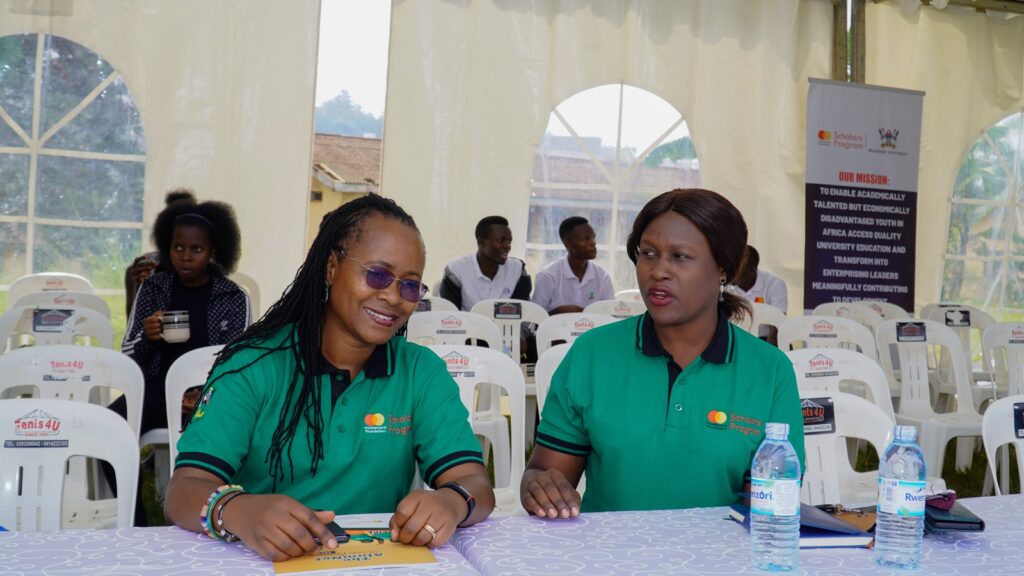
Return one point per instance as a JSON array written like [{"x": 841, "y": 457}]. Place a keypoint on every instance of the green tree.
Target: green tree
[
  {"x": 673, "y": 151},
  {"x": 340, "y": 115}
]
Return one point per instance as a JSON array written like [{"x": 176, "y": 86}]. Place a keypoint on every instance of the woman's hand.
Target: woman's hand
[
  {"x": 153, "y": 326},
  {"x": 548, "y": 494},
  {"x": 425, "y": 518},
  {"x": 277, "y": 526}
]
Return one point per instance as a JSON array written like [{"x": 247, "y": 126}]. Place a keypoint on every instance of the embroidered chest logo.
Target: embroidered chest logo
[
  {"x": 746, "y": 425},
  {"x": 374, "y": 423},
  {"x": 718, "y": 420},
  {"x": 377, "y": 423},
  {"x": 203, "y": 403}
]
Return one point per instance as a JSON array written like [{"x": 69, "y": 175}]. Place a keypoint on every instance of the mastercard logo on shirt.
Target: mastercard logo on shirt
[
  {"x": 374, "y": 419},
  {"x": 717, "y": 419}
]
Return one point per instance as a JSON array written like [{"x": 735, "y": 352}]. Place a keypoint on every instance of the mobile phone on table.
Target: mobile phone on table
[{"x": 338, "y": 532}]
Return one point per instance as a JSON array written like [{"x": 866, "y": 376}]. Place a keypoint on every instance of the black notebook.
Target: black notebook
[
  {"x": 957, "y": 519},
  {"x": 818, "y": 529}
]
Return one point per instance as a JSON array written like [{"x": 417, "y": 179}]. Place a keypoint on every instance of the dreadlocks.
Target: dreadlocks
[{"x": 300, "y": 306}]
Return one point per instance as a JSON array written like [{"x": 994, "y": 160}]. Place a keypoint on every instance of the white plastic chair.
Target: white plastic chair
[
  {"x": 826, "y": 332},
  {"x": 887, "y": 310},
  {"x": 616, "y": 308},
  {"x": 853, "y": 310},
  {"x": 826, "y": 480},
  {"x": 567, "y": 327},
  {"x": 77, "y": 374},
  {"x": 632, "y": 294},
  {"x": 32, "y": 479},
  {"x": 1003, "y": 344},
  {"x": 998, "y": 430},
  {"x": 510, "y": 320},
  {"x": 46, "y": 282},
  {"x": 836, "y": 370},
  {"x": 188, "y": 371},
  {"x": 252, "y": 288},
  {"x": 63, "y": 326},
  {"x": 435, "y": 304},
  {"x": 60, "y": 299},
  {"x": 546, "y": 366},
  {"x": 452, "y": 327},
  {"x": 965, "y": 320},
  {"x": 763, "y": 315},
  {"x": 471, "y": 366},
  {"x": 936, "y": 429}
]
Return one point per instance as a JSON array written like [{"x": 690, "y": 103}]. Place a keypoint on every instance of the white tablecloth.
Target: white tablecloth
[{"x": 703, "y": 541}]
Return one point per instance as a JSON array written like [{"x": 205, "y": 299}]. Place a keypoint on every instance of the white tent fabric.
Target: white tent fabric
[
  {"x": 971, "y": 67},
  {"x": 226, "y": 94},
  {"x": 471, "y": 86}
]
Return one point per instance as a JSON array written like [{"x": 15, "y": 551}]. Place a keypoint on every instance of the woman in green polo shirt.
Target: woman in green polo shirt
[
  {"x": 318, "y": 408},
  {"x": 666, "y": 409}
]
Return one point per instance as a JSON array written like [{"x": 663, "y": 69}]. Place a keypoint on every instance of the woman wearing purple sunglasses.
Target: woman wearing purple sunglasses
[{"x": 319, "y": 409}]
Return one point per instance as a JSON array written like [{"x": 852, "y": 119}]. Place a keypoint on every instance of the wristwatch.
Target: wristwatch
[{"x": 466, "y": 495}]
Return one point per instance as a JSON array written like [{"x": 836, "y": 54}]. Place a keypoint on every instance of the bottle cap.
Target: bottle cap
[
  {"x": 776, "y": 430},
  {"x": 904, "y": 433}
]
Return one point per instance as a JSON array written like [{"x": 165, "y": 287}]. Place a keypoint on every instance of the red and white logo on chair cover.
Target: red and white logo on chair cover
[{"x": 37, "y": 424}]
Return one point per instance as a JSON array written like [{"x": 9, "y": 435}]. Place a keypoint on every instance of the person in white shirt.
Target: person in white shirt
[
  {"x": 570, "y": 283},
  {"x": 489, "y": 272},
  {"x": 762, "y": 287}
]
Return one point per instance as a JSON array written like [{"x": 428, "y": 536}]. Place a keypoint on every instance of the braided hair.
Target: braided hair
[{"x": 300, "y": 306}]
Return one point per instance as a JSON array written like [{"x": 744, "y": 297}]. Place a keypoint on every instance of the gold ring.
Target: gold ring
[{"x": 430, "y": 529}]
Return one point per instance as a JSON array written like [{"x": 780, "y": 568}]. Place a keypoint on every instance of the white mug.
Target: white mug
[{"x": 174, "y": 326}]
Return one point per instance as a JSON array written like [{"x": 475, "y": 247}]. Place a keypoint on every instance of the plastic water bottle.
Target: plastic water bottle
[
  {"x": 901, "y": 494},
  {"x": 775, "y": 501}
]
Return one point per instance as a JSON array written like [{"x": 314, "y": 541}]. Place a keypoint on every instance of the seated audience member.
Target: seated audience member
[
  {"x": 666, "y": 409},
  {"x": 760, "y": 286},
  {"x": 570, "y": 283},
  {"x": 319, "y": 409},
  {"x": 489, "y": 272},
  {"x": 200, "y": 244},
  {"x": 143, "y": 266}
]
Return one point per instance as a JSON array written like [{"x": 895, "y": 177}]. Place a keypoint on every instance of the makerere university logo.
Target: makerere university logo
[{"x": 888, "y": 138}]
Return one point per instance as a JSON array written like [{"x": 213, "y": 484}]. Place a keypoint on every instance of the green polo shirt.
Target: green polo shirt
[
  {"x": 401, "y": 410},
  {"x": 657, "y": 436}
]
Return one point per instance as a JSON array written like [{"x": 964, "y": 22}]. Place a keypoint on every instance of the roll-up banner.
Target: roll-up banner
[{"x": 863, "y": 145}]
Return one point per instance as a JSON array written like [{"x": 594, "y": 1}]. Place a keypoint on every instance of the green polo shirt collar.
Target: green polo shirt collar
[{"x": 719, "y": 350}]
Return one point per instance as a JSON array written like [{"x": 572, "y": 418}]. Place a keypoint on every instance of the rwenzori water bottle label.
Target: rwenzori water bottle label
[
  {"x": 901, "y": 497},
  {"x": 774, "y": 497}
]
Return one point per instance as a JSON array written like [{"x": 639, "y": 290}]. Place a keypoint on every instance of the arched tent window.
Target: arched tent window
[
  {"x": 72, "y": 160},
  {"x": 605, "y": 153},
  {"x": 984, "y": 263}
]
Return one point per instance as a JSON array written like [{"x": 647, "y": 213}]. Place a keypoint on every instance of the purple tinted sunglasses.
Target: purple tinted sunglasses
[{"x": 380, "y": 278}]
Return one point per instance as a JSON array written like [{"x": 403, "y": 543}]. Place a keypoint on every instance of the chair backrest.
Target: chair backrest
[
  {"x": 616, "y": 308},
  {"x": 39, "y": 437},
  {"x": 1004, "y": 347},
  {"x": 188, "y": 371},
  {"x": 74, "y": 373},
  {"x": 545, "y": 370},
  {"x": 471, "y": 366},
  {"x": 853, "y": 310},
  {"x": 46, "y": 282},
  {"x": 963, "y": 319},
  {"x": 249, "y": 285},
  {"x": 631, "y": 294},
  {"x": 436, "y": 304},
  {"x": 59, "y": 299},
  {"x": 826, "y": 332},
  {"x": 50, "y": 326},
  {"x": 509, "y": 314},
  {"x": 763, "y": 315},
  {"x": 998, "y": 428},
  {"x": 452, "y": 327},
  {"x": 912, "y": 338},
  {"x": 567, "y": 327},
  {"x": 887, "y": 310},
  {"x": 825, "y": 442},
  {"x": 832, "y": 370}
]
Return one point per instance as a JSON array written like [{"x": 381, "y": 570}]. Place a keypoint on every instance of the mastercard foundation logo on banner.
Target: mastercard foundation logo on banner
[{"x": 717, "y": 419}]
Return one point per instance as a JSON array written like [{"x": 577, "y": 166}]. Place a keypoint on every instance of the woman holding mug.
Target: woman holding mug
[{"x": 201, "y": 242}]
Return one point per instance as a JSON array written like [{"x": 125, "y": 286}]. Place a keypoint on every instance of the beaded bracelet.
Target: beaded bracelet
[
  {"x": 208, "y": 508},
  {"x": 219, "y": 514}
]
